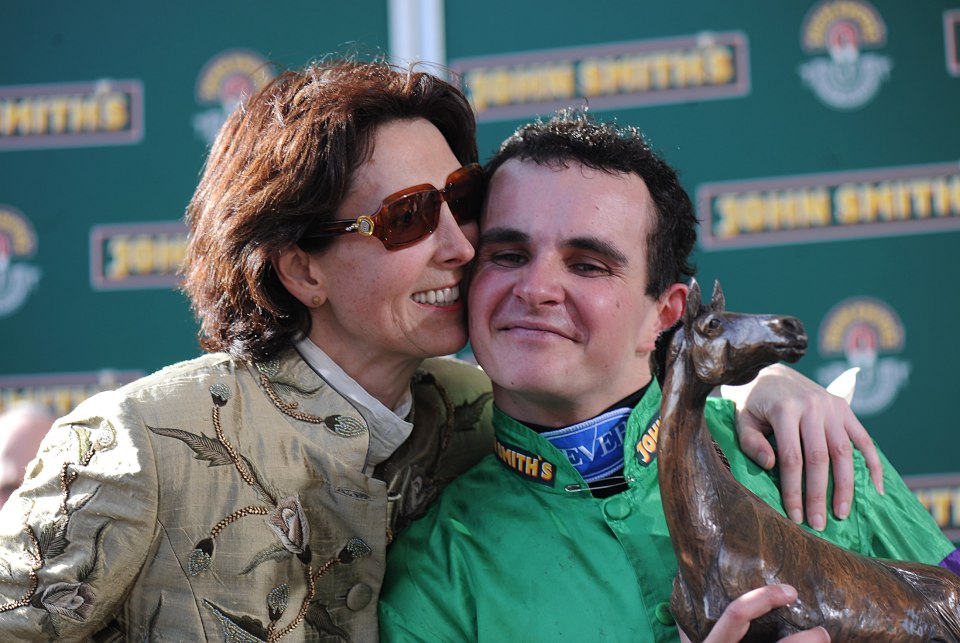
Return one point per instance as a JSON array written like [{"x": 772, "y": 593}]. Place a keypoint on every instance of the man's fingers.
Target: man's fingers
[
  {"x": 790, "y": 458},
  {"x": 841, "y": 460},
  {"x": 816, "y": 458},
  {"x": 816, "y": 635},
  {"x": 753, "y": 442},
  {"x": 735, "y": 620}
]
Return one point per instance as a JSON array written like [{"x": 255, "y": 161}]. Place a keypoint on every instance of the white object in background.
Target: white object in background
[
  {"x": 417, "y": 32},
  {"x": 845, "y": 384}
]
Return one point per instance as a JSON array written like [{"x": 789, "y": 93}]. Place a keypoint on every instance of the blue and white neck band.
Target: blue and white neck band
[{"x": 594, "y": 447}]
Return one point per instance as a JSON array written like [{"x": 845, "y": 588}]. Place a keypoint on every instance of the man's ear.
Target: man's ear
[
  {"x": 672, "y": 303},
  {"x": 300, "y": 276}
]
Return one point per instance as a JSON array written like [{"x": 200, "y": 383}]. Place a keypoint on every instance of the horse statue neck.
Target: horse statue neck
[{"x": 714, "y": 347}]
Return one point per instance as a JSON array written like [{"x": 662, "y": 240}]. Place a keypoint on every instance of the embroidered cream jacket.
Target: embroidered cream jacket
[{"x": 216, "y": 500}]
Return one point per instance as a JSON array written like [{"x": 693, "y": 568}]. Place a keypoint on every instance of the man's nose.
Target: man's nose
[{"x": 540, "y": 283}]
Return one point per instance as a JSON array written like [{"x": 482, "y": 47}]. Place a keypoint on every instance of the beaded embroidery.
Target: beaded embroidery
[
  {"x": 277, "y": 601},
  {"x": 285, "y": 517}
]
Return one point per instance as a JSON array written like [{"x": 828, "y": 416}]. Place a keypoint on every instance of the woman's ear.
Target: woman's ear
[
  {"x": 671, "y": 304},
  {"x": 301, "y": 276}
]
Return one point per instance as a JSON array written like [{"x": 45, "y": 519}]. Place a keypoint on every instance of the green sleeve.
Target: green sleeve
[{"x": 894, "y": 525}]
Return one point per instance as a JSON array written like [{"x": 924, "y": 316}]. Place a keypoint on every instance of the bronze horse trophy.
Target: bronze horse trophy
[{"x": 728, "y": 541}]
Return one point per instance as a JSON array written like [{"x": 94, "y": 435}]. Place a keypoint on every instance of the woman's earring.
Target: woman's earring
[{"x": 316, "y": 300}]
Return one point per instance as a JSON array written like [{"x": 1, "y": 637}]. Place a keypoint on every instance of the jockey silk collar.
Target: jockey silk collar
[{"x": 594, "y": 447}]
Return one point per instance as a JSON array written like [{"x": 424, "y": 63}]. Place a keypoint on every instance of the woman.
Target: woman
[{"x": 250, "y": 494}]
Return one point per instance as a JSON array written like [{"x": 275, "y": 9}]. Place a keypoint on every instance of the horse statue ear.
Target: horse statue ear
[
  {"x": 717, "y": 303},
  {"x": 692, "y": 308}
]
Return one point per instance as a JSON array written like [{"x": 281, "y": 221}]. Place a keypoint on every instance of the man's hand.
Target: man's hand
[
  {"x": 735, "y": 620},
  {"x": 813, "y": 430}
]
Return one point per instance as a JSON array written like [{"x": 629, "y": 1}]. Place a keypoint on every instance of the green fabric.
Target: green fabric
[{"x": 505, "y": 556}]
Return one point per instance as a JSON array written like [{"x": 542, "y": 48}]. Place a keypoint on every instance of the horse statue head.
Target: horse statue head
[{"x": 731, "y": 348}]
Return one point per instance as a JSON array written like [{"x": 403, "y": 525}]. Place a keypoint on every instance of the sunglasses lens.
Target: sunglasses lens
[
  {"x": 411, "y": 218},
  {"x": 464, "y": 195}
]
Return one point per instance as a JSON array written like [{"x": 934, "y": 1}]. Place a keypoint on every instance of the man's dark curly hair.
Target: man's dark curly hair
[
  {"x": 573, "y": 136},
  {"x": 283, "y": 162}
]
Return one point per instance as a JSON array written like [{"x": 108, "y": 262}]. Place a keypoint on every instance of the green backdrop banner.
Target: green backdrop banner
[{"x": 818, "y": 139}]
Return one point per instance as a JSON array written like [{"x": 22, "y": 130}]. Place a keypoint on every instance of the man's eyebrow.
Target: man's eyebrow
[
  {"x": 599, "y": 247},
  {"x": 503, "y": 235}
]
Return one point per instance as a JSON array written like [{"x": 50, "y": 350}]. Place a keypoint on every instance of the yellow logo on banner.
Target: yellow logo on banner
[
  {"x": 137, "y": 255},
  {"x": 830, "y": 206},
  {"x": 17, "y": 278},
  {"x": 699, "y": 67},
  {"x": 848, "y": 78},
  {"x": 867, "y": 333},
  {"x": 105, "y": 112},
  {"x": 225, "y": 80},
  {"x": 60, "y": 392}
]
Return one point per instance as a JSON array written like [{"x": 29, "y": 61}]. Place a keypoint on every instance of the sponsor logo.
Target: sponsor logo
[
  {"x": 136, "y": 255},
  {"x": 60, "y": 392},
  {"x": 647, "y": 444},
  {"x": 951, "y": 36},
  {"x": 645, "y": 72},
  {"x": 225, "y": 80},
  {"x": 104, "y": 112},
  {"x": 525, "y": 463},
  {"x": 848, "y": 78},
  {"x": 940, "y": 494},
  {"x": 865, "y": 332},
  {"x": 17, "y": 242},
  {"x": 827, "y": 207}
]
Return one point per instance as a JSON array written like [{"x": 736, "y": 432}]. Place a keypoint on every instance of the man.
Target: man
[
  {"x": 583, "y": 256},
  {"x": 22, "y": 428}
]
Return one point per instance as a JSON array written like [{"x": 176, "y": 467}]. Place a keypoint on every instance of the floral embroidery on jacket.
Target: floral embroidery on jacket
[
  {"x": 285, "y": 518},
  {"x": 298, "y": 584},
  {"x": 290, "y": 525},
  {"x": 74, "y": 600}
]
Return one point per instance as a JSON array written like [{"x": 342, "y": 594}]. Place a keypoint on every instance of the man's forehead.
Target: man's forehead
[{"x": 571, "y": 201}]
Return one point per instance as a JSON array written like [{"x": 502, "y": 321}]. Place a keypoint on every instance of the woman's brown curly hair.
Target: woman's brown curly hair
[{"x": 282, "y": 162}]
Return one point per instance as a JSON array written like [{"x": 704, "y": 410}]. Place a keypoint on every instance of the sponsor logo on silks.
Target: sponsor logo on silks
[
  {"x": 18, "y": 241},
  {"x": 103, "y": 112},
  {"x": 940, "y": 494},
  {"x": 819, "y": 207},
  {"x": 867, "y": 333},
  {"x": 137, "y": 255},
  {"x": 696, "y": 67},
  {"x": 226, "y": 80},
  {"x": 593, "y": 447},
  {"x": 847, "y": 78},
  {"x": 951, "y": 35},
  {"x": 525, "y": 463},
  {"x": 60, "y": 392},
  {"x": 647, "y": 444}
]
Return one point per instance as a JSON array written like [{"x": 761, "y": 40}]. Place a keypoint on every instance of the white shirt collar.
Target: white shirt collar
[{"x": 387, "y": 428}]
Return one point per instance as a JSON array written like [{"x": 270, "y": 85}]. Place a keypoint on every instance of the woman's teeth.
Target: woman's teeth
[{"x": 441, "y": 297}]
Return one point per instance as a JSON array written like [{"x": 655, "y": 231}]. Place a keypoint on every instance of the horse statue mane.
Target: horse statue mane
[{"x": 728, "y": 541}]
